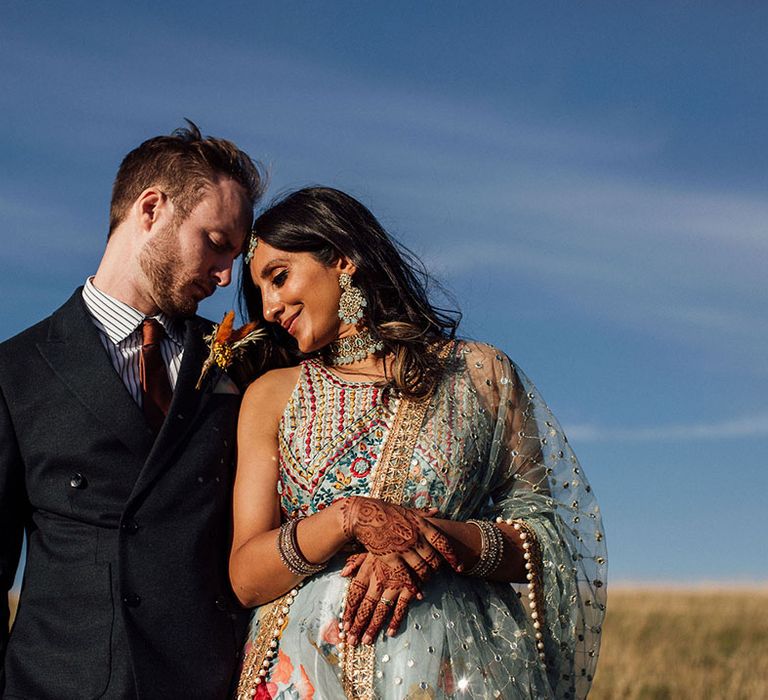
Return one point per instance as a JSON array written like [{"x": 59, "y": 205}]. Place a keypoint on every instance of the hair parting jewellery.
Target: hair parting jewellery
[{"x": 253, "y": 243}]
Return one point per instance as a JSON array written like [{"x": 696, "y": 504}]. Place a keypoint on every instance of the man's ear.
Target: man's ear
[{"x": 153, "y": 207}]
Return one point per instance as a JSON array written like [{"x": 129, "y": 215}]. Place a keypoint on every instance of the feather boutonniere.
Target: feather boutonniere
[{"x": 225, "y": 343}]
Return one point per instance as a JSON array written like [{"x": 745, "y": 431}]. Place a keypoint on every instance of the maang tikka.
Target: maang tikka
[
  {"x": 253, "y": 243},
  {"x": 352, "y": 302}
]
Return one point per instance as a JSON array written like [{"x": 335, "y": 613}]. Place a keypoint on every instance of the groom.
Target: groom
[{"x": 115, "y": 466}]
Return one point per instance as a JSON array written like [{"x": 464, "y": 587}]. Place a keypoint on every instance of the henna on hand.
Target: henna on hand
[
  {"x": 362, "y": 617},
  {"x": 440, "y": 542},
  {"x": 353, "y": 564},
  {"x": 355, "y": 594},
  {"x": 422, "y": 569},
  {"x": 375, "y": 576},
  {"x": 377, "y": 621},
  {"x": 382, "y": 528},
  {"x": 385, "y": 528},
  {"x": 433, "y": 561},
  {"x": 399, "y": 615}
]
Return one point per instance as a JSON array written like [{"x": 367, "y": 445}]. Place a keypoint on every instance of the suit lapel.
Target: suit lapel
[{"x": 74, "y": 351}]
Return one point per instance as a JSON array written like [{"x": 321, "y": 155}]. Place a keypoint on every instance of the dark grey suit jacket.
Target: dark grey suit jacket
[{"x": 125, "y": 590}]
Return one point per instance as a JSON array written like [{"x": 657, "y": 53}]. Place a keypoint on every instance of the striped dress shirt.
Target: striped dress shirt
[{"x": 119, "y": 327}]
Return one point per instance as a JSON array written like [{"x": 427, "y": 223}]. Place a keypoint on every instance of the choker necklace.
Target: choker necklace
[{"x": 352, "y": 348}]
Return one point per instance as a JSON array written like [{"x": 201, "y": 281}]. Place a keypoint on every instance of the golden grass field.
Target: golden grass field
[
  {"x": 683, "y": 645},
  {"x": 679, "y": 644}
]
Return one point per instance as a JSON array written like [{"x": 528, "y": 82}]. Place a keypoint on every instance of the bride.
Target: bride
[{"x": 409, "y": 519}]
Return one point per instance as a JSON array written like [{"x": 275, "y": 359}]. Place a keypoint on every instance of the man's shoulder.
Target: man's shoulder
[
  {"x": 38, "y": 332},
  {"x": 199, "y": 325}
]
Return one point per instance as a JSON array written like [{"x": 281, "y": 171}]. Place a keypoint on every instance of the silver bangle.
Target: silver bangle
[
  {"x": 289, "y": 552},
  {"x": 491, "y": 549}
]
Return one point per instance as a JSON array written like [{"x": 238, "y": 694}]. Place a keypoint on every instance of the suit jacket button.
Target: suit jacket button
[
  {"x": 129, "y": 526},
  {"x": 77, "y": 481},
  {"x": 132, "y": 600}
]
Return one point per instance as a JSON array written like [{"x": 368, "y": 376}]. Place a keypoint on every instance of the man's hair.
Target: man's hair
[{"x": 182, "y": 165}]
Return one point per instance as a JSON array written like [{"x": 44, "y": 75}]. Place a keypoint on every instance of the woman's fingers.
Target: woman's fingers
[
  {"x": 353, "y": 564},
  {"x": 396, "y": 571},
  {"x": 369, "y": 607},
  {"x": 422, "y": 569},
  {"x": 362, "y": 617},
  {"x": 440, "y": 543},
  {"x": 380, "y": 614},
  {"x": 355, "y": 594},
  {"x": 418, "y": 564},
  {"x": 362, "y": 597},
  {"x": 401, "y": 608}
]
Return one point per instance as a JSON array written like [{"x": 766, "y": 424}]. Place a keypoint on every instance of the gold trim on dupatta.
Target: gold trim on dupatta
[
  {"x": 256, "y": 660},
  {"x": 389, "y": 480}
]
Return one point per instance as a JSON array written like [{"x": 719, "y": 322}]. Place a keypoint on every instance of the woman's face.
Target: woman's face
[{"x": 301, "y": 294}]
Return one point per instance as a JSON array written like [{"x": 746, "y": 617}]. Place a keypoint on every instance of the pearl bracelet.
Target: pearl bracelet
[
  {"x": 533, "y": 564},
  {"x": 491, "y": 549},
  {"x": 289, "y": 552}
]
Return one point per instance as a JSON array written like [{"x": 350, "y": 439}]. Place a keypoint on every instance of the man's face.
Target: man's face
[{"x": 184, "y": 262}]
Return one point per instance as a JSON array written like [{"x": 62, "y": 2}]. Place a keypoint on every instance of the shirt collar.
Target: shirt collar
[{"x": 118, "y": 320}]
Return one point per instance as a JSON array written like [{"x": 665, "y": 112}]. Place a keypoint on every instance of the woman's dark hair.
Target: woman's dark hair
[{"x": 330, "y": 224}]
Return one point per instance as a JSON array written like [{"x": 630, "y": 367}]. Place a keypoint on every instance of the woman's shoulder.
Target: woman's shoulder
[
  {"x": 475, "y": 351},
  {"x": 270, "y": 391},
  {"x": 485, "y": 366}
]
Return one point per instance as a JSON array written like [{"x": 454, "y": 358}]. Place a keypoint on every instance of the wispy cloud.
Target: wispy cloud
[
  {"x": 477, "y": 185},
  {"x": 754, "y": 426}
]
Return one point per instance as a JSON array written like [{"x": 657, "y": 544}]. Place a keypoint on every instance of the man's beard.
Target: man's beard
[{"x": 162, "y": 265}]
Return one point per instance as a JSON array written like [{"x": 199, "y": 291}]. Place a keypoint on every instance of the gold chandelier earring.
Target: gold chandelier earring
[{"x": 352, "y": 302}]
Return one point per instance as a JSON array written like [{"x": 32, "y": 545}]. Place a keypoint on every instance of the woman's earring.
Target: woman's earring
[{"x": 352, "y": 301}]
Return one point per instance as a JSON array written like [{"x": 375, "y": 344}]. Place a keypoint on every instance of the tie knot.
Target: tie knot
[{"x": 152, "y": 332}]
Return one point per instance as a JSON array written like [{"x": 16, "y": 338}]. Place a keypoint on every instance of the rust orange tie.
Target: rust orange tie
[{"x": 156, "y": 389}]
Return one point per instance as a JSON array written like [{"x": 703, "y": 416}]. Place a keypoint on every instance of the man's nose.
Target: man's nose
[{"x": 224, "y": 277}]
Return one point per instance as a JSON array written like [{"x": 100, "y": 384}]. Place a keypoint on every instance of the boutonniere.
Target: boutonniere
[{"x": 225, "y": 343}]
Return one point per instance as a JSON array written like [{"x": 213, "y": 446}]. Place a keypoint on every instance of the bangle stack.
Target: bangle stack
[
  {"x": 491, "y": 549},
  {"x": 533, "y": 563},
  {"x": 289, "y": 552}
]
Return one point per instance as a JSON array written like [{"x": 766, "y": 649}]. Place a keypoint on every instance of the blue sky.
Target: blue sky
[{"x": 588, "y": 179}]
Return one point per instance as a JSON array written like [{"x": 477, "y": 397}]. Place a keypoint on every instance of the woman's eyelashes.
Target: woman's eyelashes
[{"x": 279, "y": 279}]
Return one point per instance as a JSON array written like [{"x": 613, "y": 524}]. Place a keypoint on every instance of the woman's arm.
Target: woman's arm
[{"x": 255, "y": 568}]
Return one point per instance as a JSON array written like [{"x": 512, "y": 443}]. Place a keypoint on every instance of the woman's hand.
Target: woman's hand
[
  {"x": 385, "y": 530},
  {"x": 404, "y": 549},
  {"x": 382, "y": 585}
]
